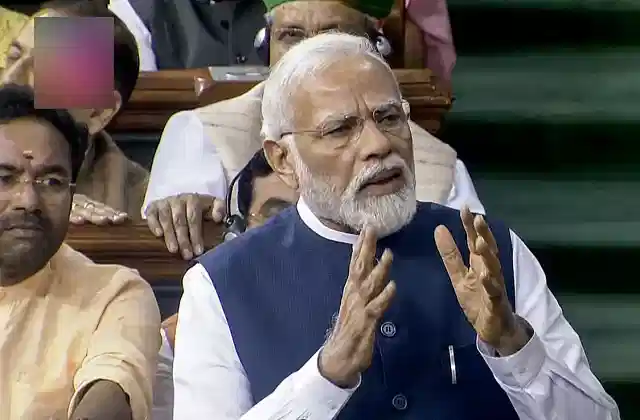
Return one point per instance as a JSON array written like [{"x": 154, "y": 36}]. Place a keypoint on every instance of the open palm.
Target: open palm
[{"x": 480, "y": 287}]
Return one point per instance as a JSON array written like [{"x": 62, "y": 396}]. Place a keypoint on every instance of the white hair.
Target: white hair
[
  {"x": 385, "y": 214},
  {"x": 303, "y": 62}
]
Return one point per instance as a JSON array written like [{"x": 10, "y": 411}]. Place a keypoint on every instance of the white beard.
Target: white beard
[{"x": 384, "y": 214}]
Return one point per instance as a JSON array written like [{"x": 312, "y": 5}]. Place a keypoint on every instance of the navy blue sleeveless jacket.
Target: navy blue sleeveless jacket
[{"x": 280, "y": 286}]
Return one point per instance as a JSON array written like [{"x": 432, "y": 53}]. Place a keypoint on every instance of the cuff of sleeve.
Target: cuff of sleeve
[
  {"x": 311, "y": 382},
  {"x": 520, "y": 369},
  {"x": 137, "y": 399}
]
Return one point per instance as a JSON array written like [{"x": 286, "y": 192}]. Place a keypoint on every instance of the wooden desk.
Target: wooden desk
[
  {"x": 160, "y": 94},
  {"x": 136, "y": 247}
]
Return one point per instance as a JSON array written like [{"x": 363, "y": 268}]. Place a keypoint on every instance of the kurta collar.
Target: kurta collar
[{"x": 313, "y": 223}]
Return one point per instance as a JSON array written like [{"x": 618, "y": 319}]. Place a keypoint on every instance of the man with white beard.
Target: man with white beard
[{"x": 343, "y": 305}]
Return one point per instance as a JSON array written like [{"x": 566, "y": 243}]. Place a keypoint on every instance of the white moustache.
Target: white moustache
[{"x": 370, "y": 172}]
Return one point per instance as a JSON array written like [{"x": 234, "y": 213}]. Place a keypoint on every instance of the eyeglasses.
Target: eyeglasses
[
  {"x": 47, "y": 187},
  {"x": 391, "y": 120},
  {"x": 293, "y": 35}
]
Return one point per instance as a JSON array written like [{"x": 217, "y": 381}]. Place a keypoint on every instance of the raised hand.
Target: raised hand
[
  {"x": 366, "y": 296},
  {"x": 179, "y": 220},
  {"x": 480, "y": 287},
  {"x": 85, "y": 210}
]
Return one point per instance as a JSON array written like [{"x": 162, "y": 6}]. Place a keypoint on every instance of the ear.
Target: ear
[
  {"x": 281, "y": 160},
  {"x": 100, "y": 118}
]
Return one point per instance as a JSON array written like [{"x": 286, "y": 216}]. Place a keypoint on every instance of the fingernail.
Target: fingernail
[
  {"x": 157, "y": 232},
  {"x": 187, "y": 255},
  {"x": 199, "y": 250},
  {"x": 173, "y": 249}
]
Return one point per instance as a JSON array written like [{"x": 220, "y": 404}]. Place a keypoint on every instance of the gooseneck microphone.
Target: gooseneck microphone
[{"x": 234, "y": 224}]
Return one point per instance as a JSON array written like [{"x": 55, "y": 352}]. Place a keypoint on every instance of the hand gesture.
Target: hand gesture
[
  {"x": 179, "y": 219},
  {"x": 366, "y": 296},
  {"x": 85, "y": 210},
  {"x": 480, "y": 287}
]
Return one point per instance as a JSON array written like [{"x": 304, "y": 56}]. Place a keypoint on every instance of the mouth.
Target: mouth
[
  {"x": 25, "y": 228},
  {"x": 386, "y": 182},
  {"x": 384, "y": 177}
]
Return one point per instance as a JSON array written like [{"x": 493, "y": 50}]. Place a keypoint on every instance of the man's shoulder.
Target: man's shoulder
[
  {"x": 90, "y": 278},
  {"x": 247, "y": 104}
]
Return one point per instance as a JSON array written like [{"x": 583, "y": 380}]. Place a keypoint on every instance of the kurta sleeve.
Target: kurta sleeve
[{"x": 124, "y": 346}]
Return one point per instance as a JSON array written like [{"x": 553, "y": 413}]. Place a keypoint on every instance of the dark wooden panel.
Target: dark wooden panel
[
  {"x": 158, "y": 95},
  {"x": 136, "y": 247}
]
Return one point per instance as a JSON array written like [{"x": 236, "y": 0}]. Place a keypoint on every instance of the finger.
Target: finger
[
  {"x": 166, "y": 221},
  {"x": 153, "y": 219},
  {"x": 377, "y": 279},
  {"x": 98, "y": 210},
  {"x": 491, "y": 274},
  {"x": 119, "y": 217},
  {"x": 179, "y": 213},
  {"x": 467, "y": 222},
  {"x": 218, "y": 211},
  {"x": 489, "y": 257},
  {"x": 355, "y": 251},
  {"x": 482, "y": 228},
  {"x": 378, "y": 305},
  {"x": 194, "y": 221},
  {"x": 110, "y": 213},
  {"x": 90, "y": 216},
  {"x": 364, "y": 257},
  {"x": 450, "y": 255},
  {"x": 75, "y": 218}
]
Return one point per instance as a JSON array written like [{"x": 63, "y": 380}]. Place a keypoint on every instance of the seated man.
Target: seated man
[
  {"x": 299, "y": 318},
  {"x": 261, "y": 195},
  {"x": 201, "y": 150},
  {"x": 110, "y": 186},
  {"x": 80, "y": 340}
]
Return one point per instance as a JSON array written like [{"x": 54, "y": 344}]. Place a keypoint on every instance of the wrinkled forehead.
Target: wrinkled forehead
[
  {"x": 351, "y": 86},
  {"x": 318, "y": 15},
  {"x": 31, "y": 141}
]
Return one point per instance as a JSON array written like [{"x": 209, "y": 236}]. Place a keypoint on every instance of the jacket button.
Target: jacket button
[
  {"x": 388, "y": 329},
  {"x": 399, "y": 402}
]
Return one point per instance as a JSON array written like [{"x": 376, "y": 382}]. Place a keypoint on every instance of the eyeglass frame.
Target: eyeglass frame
[
  {"x": 48, "y": 192},
  {"x": 320, "y": 133}
]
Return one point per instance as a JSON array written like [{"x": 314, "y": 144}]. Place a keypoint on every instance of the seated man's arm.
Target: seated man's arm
[
  {"x": 186, "y": 161},
  {"x": 187, "y": 185},
  {"x": 549, "y": 378},
  {"x": 116, "y": 376},
  {"x": 209, "y": 379}
]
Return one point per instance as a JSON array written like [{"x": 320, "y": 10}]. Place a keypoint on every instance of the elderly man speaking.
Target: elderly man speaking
[{"x": 360, "y": 302}]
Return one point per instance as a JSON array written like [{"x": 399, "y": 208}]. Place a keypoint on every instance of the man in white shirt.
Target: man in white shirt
[
  {"x": 258, "y": 335},
  {"x": 201, "y": 150}
]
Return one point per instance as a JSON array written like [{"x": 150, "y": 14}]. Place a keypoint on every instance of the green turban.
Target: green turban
[{"x": 378, "y": 9}]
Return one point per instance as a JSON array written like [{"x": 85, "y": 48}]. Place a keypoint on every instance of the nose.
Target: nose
[
  {"x": 374, "y": 143},
  {"x": 26, "y": 197}
]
